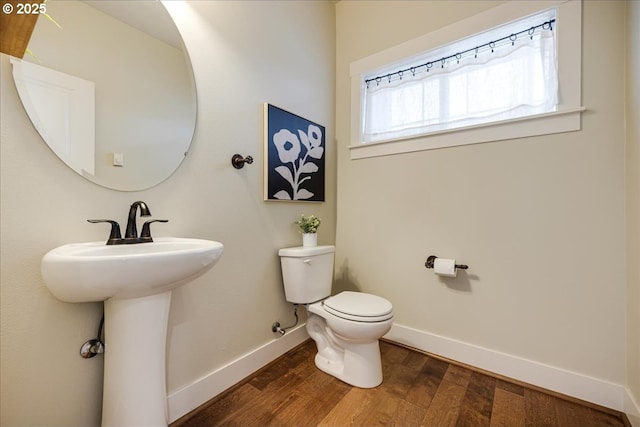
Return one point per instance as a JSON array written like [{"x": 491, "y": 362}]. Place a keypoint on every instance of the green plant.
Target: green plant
[{"x": 308, "y": 224}]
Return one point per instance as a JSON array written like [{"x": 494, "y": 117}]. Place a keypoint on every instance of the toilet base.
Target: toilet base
[
  {"x": 358, "y": 364},
  {"x": 356, "y": 369}
]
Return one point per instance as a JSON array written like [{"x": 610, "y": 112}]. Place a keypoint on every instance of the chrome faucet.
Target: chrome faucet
[{"x": 131, "y": 233}]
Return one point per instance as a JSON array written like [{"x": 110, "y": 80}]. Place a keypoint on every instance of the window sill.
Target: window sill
[{"x": 566, "y": 120}]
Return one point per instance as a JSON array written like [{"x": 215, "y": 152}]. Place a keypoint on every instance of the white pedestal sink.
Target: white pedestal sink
[{"x": 135, "y": 282}]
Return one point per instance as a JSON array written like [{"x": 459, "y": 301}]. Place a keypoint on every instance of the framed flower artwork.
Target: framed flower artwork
[{"x": 294, "y": 156}]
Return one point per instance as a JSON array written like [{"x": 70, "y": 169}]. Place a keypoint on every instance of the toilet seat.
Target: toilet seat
[{"x": 359, "y": 307}]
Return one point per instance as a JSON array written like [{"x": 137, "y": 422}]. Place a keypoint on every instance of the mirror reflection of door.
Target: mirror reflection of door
[{"x": 62, "y": 109}]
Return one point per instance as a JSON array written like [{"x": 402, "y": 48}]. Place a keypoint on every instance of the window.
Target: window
[
  {"x": 476, "y": 89},
  {"x": 500, "y": 74}
]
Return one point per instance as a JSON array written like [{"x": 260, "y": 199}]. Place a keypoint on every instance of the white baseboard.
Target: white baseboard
[
  {"x": 183, "y": 401},
  {"x": 632, "y": 409},
  {"x": 580, "y": 386}
]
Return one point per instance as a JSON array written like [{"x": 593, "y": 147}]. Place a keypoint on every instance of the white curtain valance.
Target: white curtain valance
[{"x": 517, "y": 78}]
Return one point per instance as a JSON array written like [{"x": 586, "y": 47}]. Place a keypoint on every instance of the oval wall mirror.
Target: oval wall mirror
[{"x": 109, "y": 87}]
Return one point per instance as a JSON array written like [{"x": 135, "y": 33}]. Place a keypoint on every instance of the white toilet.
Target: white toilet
[{"x": 346, "y": 327}]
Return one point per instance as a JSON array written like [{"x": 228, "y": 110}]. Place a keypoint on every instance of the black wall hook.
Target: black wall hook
[{"x": 238, "y": 161}]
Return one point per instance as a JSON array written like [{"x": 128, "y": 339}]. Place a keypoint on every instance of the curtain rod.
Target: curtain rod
[{"x": 492, "y": 44}]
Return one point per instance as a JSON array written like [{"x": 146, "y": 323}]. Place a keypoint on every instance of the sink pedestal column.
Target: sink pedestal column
[{"x": 134, "y": 392}]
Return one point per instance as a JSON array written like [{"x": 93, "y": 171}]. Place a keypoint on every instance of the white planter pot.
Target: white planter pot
[{"x": 309, "y": 239}]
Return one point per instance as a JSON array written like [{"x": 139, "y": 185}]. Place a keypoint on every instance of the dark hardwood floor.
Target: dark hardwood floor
[{"x": 418, "y": 390}]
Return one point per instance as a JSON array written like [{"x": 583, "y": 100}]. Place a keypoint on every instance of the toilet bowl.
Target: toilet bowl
[
  {"x": 346, "y": 327},
  {"x": 348, "y": 348}
]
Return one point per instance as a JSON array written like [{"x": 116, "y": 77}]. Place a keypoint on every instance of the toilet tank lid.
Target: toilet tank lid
[{"x": 306, "y": 251}]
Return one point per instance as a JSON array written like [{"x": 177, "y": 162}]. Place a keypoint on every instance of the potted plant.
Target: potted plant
[{"x": 308, "y": 226}]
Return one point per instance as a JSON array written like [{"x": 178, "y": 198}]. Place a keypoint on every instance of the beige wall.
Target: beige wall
[
  {"x": 244, "y": 53},
  {"x": 540, "y": 221},
  {"x": 632, "y": 158}
]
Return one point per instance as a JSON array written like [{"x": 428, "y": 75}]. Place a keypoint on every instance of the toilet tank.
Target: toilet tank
[{"x": 307, "y": 273}]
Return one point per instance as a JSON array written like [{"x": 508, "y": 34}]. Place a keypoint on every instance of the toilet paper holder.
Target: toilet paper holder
[{"x": 432, "y": 259}]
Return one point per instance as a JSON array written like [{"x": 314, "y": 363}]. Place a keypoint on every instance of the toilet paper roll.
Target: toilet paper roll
[{"x": 445, "y": 267}]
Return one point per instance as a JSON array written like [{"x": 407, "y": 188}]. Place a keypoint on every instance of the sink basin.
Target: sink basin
[{"x": 86, "y": 272}]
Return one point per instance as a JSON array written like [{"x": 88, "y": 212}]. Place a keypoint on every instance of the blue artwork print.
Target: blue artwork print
[{"x": 295, "y": 157}]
